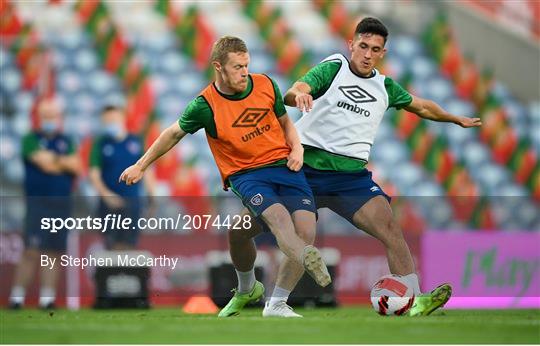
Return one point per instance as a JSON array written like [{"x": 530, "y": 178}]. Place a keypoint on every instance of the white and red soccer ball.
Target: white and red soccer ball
[{"x": 392, "y": 296}]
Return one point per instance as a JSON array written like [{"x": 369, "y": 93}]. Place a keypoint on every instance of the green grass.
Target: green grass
[{"x": 337, "y": 326}]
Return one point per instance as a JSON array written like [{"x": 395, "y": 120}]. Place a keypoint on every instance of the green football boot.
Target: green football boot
[
  {"x": 239, "y": 300},
  {"x": 426, "y": 303}
]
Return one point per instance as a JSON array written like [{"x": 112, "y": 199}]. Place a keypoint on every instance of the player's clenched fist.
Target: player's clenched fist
[
  {"x": 304, "y": 102},
  {"x": 131, "y": 175}
]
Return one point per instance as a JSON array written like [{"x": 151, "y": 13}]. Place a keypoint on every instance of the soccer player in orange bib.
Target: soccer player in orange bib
[{"x": 259, "y": 156}]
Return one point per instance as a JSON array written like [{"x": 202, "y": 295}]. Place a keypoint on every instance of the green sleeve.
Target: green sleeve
[
  {"x": 196, "y": 116},
  {"x": 95, "y": 153},
  {"x": 72, "y": 148},
  {"x": 321, "y": 76},
  {"x": 397, "y": 96},
  {"x": 30, "y": 144},
  {"x": 279, "y": 106}
]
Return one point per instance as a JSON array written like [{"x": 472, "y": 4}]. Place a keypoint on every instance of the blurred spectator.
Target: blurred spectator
[
  {"x": 51, "y": 165},
  {"x": 112, "y": 152}
]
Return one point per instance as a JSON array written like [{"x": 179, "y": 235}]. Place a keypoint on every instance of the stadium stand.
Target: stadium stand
[
  {"x": 169, "y": 67},
  {"x": 525, "y": 13}
]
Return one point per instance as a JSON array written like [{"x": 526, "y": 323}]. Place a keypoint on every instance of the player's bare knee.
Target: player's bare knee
[
  {"x": 277, "y": 218},
  {"x": 307, "y": 234},
  {"x": 305, "y": 224},
  {"x": 389, "y": 233},
  {"x": 239, "y": 236},
  {"x": 393, "y": 228},
  {"x": 236, "y": 235}
]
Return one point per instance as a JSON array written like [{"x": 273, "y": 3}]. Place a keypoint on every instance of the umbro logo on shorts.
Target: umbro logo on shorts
[
  {"x": 374, "y": 188},
  {"x": 306, "y": 201},
  {"x": 250, "y": 117},
  {"x": 356, "y": 94},
  {"x": 256, "y": 200}
]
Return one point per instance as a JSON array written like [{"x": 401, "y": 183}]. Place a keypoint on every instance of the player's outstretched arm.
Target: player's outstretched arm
[
  {"x": 166, "y": 140},
  {"x": 295, "y": 160},
  {"x": 299, "y": 96},
  {"x": 430, "y": 110}
]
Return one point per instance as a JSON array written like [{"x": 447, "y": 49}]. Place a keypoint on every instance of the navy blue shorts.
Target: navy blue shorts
[
  {"x": 260, "y": 188},
  {"x": 38, "y": 208},
  {"x": 132, "y": 209},
  {"x": 342, "y": 192}
]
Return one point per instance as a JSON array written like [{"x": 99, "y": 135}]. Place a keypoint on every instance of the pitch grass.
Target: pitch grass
[{"x": 337, "y": 326}]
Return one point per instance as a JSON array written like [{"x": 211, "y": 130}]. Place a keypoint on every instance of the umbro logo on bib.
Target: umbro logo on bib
[
  {"x": 356, "y": 94},
  {"x": 250, "y": 117}
]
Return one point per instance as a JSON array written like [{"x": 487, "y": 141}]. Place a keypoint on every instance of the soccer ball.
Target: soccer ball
[{"x": 391, "y": 296}]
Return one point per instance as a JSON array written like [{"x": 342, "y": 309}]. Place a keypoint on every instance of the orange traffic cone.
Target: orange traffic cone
[{"x": 200, "y": 305}]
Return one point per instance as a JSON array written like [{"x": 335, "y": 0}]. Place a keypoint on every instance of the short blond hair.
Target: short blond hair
[{"x": 226, "y": 45}]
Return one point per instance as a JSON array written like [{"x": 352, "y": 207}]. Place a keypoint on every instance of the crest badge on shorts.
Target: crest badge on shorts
[{"x": 256, "y": 200}]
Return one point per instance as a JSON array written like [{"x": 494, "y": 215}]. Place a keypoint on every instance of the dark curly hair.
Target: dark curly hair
[{"x": 370, "y": 25}]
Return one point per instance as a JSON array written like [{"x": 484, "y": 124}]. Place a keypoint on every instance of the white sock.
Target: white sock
[
  {"x": 17, "y": 295},
  {"x": 412, "y": 280},
  {"x": 279, "y": 295},
  {"x": 246, "y": 280},
  {"x": 46, "y": 296}
]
